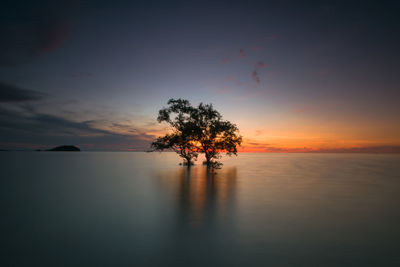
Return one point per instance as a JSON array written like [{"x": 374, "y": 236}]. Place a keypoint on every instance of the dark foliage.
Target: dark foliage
[
  {"x": 214, "y": 134},
  {"x": 196, "y": 130}
]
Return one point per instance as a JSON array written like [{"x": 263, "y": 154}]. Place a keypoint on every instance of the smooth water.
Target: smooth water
[{"x": 143, "y": 209}]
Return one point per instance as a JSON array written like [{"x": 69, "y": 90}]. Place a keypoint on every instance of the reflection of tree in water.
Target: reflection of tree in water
[
  {"x": 204, "y": 209},
  {"x": 205, "y": 199}
]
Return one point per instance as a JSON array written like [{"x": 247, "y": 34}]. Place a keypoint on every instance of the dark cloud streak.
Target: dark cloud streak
[
  {"x": 36, "y": 129},
  {"x": 260, "y": 65},
  {"x": 255, "y": 77},
  {"x": 11, "y": 93}
]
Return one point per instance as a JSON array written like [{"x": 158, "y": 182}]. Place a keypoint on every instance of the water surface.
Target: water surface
[{"x": 143, "y": 209}]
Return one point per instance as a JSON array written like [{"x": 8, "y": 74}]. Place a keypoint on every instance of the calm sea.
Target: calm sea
[{"x": 143, "y": 209}]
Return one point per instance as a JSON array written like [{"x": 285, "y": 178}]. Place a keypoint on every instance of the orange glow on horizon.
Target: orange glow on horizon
[{"x": 288, "y": 134}]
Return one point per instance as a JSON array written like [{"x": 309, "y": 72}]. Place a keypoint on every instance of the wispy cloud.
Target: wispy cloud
[
  {"x": 242, "y": 54},
  {"x": 23, "y": 124},
  {"x": 53, "y": 36},
  {"x": 12, "y": 93},
  {"x": 34, "y": 29},
  {"x": 259, "y": 132},
  {"x": 260, "y": 65},
  {"x": 234, "y": 79},
  {"x": 266, "y": 148},
  {"x": 225, "y": 60},
  {"x": 305, "y": 109},
  {"x": 256, "y": 48},
  {"x": 255, "y": 77}
]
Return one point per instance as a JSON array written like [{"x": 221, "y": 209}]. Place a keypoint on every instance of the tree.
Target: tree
[
  {"x": 214, "y": 135},
  {"x": 181, "y": 139},
  {"x": 197, "y": 130},
  {"x": 178, "y": 143}
]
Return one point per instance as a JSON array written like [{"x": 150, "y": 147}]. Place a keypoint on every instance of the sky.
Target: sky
[{"x": 295, "y": 76}]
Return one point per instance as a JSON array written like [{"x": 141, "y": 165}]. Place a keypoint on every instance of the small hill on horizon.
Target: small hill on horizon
[{"x": 65, "y": 148}]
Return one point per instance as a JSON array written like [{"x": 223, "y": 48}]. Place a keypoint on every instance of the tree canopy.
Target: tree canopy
[{"x": 197, "y": 130}]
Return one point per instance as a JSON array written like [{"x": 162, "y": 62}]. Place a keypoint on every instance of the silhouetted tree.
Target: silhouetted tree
[
  {"x": 177, "y": 115},
  {"x": 180, "y": 144},
  {"x": 197, "y": 130},
  {"x": 214, "y": 135}
]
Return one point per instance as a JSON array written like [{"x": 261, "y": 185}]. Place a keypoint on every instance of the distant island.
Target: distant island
[{"x": 62, "y": 148}]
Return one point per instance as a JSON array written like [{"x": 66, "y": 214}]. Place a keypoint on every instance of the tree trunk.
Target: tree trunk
[
  {"x": 208, "y": 160},
  {"x": 188, "y": 162}
]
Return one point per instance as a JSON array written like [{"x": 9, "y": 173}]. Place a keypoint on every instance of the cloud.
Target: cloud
[
  {"x": 263, "y": 42},
  {"x": 242, "y": 54},
  {"x": 369, "y": 149},
  {"x": 260, "y": 65},
  {"x": 260, "y": 147},
  {"x": 11, "y": 93},
  {"x": 305, "y": 109},
  {"x": 225, "y": 60},
  {"x": 255, "y": 77},
  {"x": 259, "y": 132},
  {"x": 256, "y": 48},
  {"x": 32, "y": 30},
  {"x": 234, "y": 79},
  {"x": 257, "y": 144},
  {"x": 35, "y": 129},
  {"x": 52, "y": 36}
]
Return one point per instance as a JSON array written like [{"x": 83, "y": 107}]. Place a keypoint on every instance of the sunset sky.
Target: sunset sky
[{"x": 294, "y": 76}]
